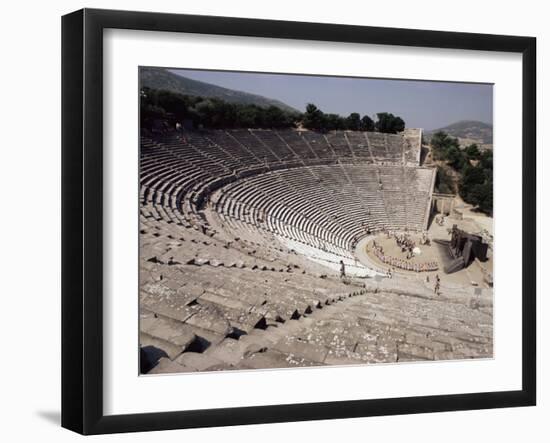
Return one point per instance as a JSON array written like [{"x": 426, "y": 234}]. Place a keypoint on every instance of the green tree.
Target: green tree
[
  {"x": 476, "y": 188},
  {"x": 149, "y": 113},
  {"x": 367, "y": 124},
  {"x": 486, "y": 160},
  {"x": 313, "y": 117},
  {"x": 455, "y": 157},
  {"x": 440, "y": 141},
  {"x": 448, "y": 149},
  {"x": 248, "y": 116},
  {"x": 476, "y": 181},
  {"x": 389, "y": 123},
  {"x": 485, "y": 197},
  {"x": 444, "y": 182},
  {"x": 353, "y": 122},
  {"x": 472, "y": 151},
  {"x": 274, "y": 117},
  {"x": 334, "y": 122}
]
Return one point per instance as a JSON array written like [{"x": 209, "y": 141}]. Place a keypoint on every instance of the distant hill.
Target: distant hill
[
  {"x": 160, "y": 78},
  {"x": 468, "y": 132}
]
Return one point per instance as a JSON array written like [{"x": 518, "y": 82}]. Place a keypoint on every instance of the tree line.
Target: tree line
[
  {"x": 214, "y": 113},
  {"x": 317, "y": 120},
  {"x": 474, "y": 168},
  {"x": 208, "y": 112}
]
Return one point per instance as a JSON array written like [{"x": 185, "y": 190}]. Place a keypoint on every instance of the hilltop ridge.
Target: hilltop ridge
[
  {"x": 468, "y": 132},
  {"x": 160, "y": 78}
]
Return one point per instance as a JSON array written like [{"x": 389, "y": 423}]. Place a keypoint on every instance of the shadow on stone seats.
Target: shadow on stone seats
[
  {"x": 149, "y": 357},
  {"x": 236, "y": 333},
  {"x": 199, "y": 345}
]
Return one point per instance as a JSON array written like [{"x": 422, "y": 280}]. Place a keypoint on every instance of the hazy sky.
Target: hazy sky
[{"x": 422, "y": 104}]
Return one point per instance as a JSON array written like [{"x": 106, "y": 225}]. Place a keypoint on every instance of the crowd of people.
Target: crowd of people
[
  {"x": 406, "y": 243},
  {"x": 401, "y": 263}
]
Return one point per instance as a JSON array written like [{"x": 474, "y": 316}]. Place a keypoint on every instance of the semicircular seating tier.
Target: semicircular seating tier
[
  {"x": 321, "y": 191},
  {"x": 238, "y": 229}
]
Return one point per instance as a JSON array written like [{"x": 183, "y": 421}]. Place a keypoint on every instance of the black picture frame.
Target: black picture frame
[{"x": 82, "y": 215}]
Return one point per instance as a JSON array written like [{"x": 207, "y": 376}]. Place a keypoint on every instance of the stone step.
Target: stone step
[
  {"x": 198, "y": 361},
  {"x": 273, "y": 359},
  {"x": 410, "y": 352},
  {"x": 298, "y": 347},
  {"x": 157, "y": 346},
  {"x": 211, "y": 318},
  {"x": 176, "y": 333},
  {"x": 232, "y": 351},
  {"x": 167, "y": 366}
]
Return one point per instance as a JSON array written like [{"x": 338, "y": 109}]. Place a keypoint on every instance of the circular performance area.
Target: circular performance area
[{"x": 403, "y": 252}]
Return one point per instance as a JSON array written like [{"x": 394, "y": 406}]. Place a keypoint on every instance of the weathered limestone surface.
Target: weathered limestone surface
[
  {"x": 166, "y": 365},
  {"x": 233, "y": 318},
  {"x": 221, "y": 289}
]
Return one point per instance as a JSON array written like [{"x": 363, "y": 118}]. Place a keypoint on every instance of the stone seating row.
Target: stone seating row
[
  {"x": 318, "y": 206},
  {"x": 234, "y": 320},
  {"x": 327, "y": 206}
]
